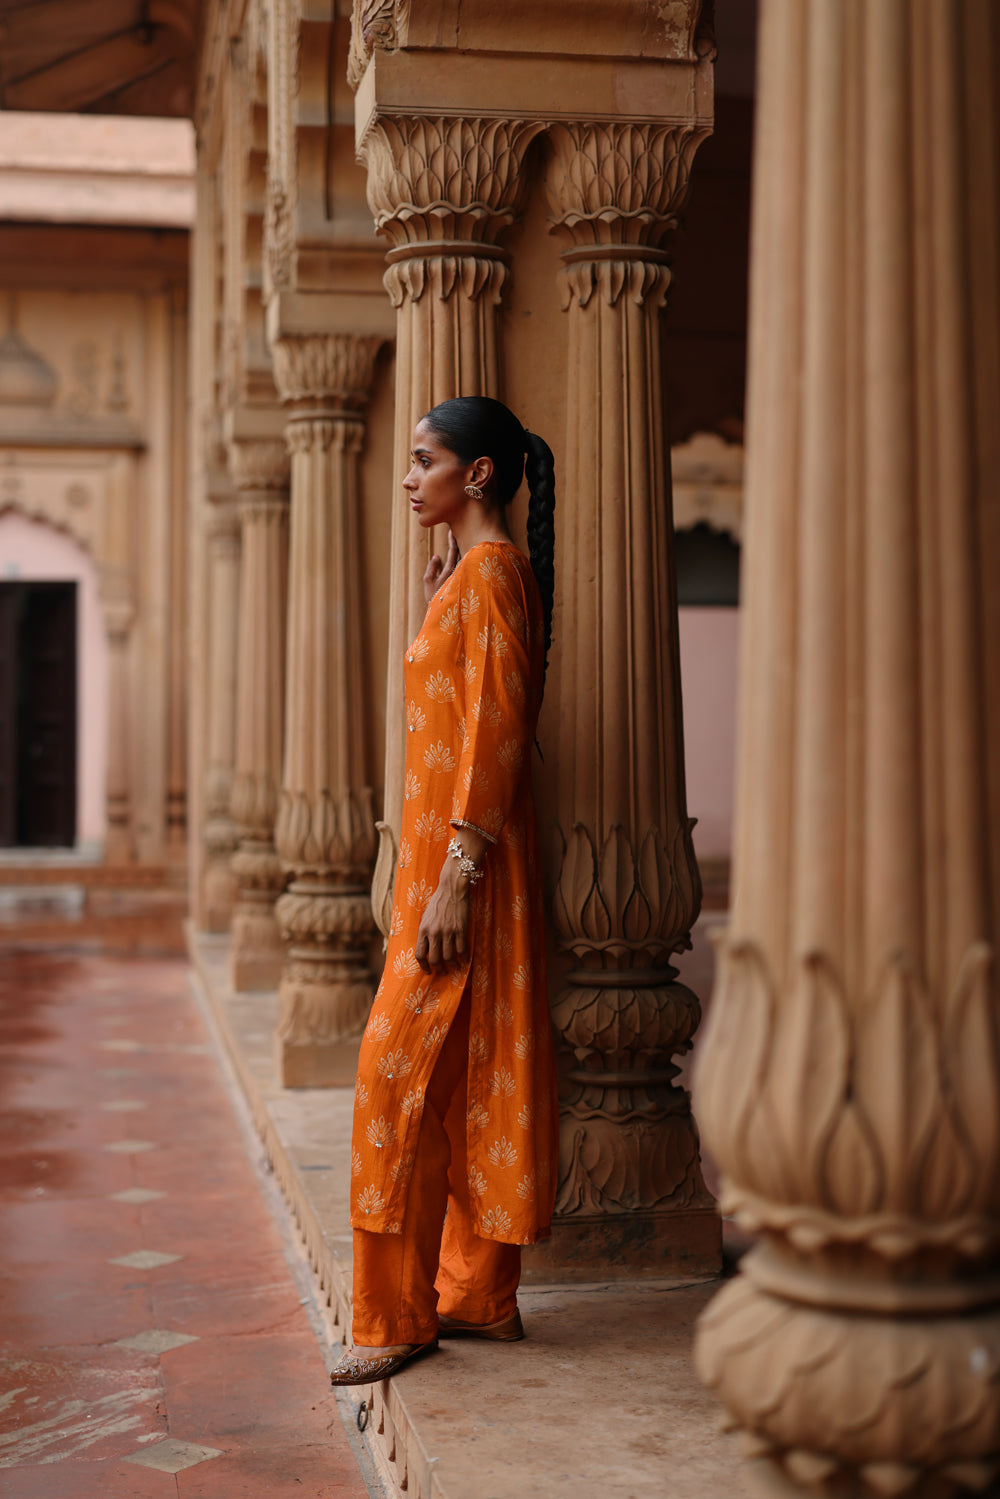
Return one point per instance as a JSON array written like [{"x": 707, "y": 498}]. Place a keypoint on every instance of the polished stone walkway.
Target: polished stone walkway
[{"x": 153, "y": 1338}]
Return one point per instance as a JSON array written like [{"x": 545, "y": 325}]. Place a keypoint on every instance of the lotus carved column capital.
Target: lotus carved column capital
[
  {"x": 259, "y": 464},
  {"x": 617, "y": 183},
  {"x": 615, "y": 190},
  {"x": 330, "y": 370},
  {"x": 445, "y": 177},
  {"x": 224, "y": 534},
  {"x": 442, "y": 190}
]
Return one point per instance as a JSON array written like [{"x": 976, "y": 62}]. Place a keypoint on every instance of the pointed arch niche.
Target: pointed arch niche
[{"x": 34, "y": 551}]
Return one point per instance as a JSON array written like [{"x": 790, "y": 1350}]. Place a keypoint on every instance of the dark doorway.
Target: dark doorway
[{"x": 37, "y": 715}]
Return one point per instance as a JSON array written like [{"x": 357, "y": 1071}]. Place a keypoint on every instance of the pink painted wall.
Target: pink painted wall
[
  {"x": 33, "y": 552},
  {"x": 710, "y": 641}
]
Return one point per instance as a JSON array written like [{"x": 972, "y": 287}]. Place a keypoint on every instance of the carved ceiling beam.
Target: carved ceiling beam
[{"x": 580, "y": 30}]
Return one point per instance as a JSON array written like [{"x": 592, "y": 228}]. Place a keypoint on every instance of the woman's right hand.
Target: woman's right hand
[
  {"x": 441, "y": 938},
  {"x": 439, "y": 572}
]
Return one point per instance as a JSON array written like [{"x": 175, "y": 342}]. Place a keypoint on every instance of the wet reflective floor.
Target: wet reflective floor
[{"x": 153, "y": 1340}]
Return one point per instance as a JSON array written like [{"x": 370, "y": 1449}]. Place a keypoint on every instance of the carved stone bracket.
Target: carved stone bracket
[
  {"x": 280, "y": 246},
  {"x": 374, "y": 23}
]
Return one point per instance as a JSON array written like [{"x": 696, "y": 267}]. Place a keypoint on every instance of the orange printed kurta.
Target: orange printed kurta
[{"x": 473, "y": 680}]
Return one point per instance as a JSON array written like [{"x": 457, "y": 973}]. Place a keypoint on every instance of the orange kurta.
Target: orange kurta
[{"x": 473, "y": 680}]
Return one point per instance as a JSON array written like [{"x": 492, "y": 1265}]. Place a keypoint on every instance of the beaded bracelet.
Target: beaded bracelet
[{"x": 467, "y": 866}]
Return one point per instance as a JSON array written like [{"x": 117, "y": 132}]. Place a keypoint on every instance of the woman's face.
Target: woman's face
[{"x": 436, "y": 481}]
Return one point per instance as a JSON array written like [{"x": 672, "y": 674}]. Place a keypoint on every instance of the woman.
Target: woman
[{"x": 455, "y": 1105}]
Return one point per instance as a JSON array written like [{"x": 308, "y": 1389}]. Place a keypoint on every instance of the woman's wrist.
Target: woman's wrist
[{"x": 463, "y": 867}]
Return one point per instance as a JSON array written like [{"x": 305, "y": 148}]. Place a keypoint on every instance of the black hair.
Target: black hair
[{"x": 474, "y": 427}]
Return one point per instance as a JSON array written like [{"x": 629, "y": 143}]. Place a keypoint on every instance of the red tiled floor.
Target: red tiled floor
[{"x": 73, "y": 1404}]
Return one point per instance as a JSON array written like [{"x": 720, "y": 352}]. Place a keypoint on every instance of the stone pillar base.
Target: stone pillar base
[
  {"x": 318, "y": 1064},
  {"x": 257, "y": 950},
  {"x": 118, "y": 847},
  {"x": 219, "y": 896},
  {"x": 683, "y": 1245}
]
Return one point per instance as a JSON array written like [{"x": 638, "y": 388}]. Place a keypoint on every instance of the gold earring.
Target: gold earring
[{"x": 474, "y": 492}]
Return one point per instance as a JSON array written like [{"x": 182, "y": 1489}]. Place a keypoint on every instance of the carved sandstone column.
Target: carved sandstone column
[
  {"x": 117, "y": 593},
  {"x": 221, "y": 833},
  {"x": 630, "y": 1186},
  {"x": 850, "y": 1083},
  {"x": 442, "y": 191},
  {"x": 260, "y": 472},
  {"x": 119, "y": 848},
  {"x": 326, "y": 827}
]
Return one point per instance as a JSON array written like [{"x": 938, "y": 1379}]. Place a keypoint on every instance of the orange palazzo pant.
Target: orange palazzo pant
[{"x": 437, "y": 1262}]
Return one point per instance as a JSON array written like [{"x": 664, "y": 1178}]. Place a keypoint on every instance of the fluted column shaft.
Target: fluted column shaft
[
  {"x": 260, "y": 471},
  {"x": 118, "y": 844},
  {"x": 850, "y": 1083},
  {"x": 628, "y": 888},
  {"x": 118, "y": 608},
  {"x": 221, "y": 834},
  {"x": 326, "y": 829},
  {"x": 442, "y": 191}
]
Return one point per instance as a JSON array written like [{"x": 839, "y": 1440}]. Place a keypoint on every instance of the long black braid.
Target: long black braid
[
  {"x": 540, "y": 472},
  {"x": 479, "y": 427}
]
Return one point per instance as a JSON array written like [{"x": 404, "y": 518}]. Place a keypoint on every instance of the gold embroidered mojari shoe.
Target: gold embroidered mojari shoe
[
  {"x": 354, "y": 1370},
  {"x": 510, "y": 1330}
]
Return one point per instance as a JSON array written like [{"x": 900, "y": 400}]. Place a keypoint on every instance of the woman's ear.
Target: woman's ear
[{"x": 482, "y": 472}]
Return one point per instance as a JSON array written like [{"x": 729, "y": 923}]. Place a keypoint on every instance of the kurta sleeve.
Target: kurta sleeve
[{"x": 499, "y": 702}]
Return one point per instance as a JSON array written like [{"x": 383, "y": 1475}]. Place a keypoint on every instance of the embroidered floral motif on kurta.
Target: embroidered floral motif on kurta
[{"x": 473, "y": 680}]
